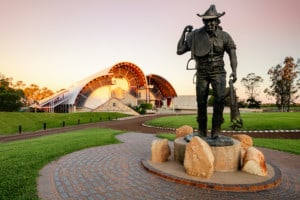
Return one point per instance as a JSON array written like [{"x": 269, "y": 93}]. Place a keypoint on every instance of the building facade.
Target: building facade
[{"x": 124, "y": 81}]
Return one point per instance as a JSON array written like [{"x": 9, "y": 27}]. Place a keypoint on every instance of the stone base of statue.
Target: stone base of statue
[
  {"x": 227, "y": 158},
  {"x": 221, "y": 140},
  {"x": 237, "y": 181},
  {"x": 226, "y": 175}
]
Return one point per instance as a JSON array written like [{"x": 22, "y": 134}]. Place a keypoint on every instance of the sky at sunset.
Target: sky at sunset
[{"x": 55, "y": 43}]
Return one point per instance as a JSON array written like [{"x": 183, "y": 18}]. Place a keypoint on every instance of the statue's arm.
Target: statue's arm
[
  {"x": 233, "y": 63},
  {"x": 182, "y": 46},
  {"x": 231, "y": 50}
]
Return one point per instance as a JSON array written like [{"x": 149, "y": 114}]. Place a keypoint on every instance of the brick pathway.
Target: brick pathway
[{"x": 115, "y": 172}]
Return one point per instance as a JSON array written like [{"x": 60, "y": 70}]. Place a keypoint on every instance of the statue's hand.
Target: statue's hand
[
  {"x": 188, "y": 29},
  {"x": 233, "y": 75}
]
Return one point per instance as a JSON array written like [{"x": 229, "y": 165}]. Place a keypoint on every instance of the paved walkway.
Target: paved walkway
[{"x": 115, "y": 172}]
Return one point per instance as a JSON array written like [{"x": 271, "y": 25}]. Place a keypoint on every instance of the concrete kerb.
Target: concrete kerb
[{"x": 232, "y": 131}]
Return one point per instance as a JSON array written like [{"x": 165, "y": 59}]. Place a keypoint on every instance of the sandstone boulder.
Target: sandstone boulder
[
  {"x": 246, "y": 142},
  {"x": 183, "y": 131},
  {"x": 254, "y": 162},
  {"x": 199, "y": 159},
  {"x": 160, "y": 150}
]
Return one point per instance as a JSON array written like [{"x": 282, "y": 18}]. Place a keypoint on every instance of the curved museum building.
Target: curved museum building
[{"x": 112, "y": 89}]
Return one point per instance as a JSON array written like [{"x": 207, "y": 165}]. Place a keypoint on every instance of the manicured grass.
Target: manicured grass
[
  {"x": 21, "y": 161},
  {"x": 10, "y": 121},
  {"x": 252, "y": 121},
  {"x": 286, "y": 145}
]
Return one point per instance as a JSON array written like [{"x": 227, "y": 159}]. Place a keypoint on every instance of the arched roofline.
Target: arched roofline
[
  {"x": 162, "y": 84},
  {"x": 79, "y": 91},
  {"x": 139, "y": 76},
  {"x": 131, "y": 72}
]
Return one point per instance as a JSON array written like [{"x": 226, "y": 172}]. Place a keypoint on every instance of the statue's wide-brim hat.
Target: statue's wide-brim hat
[{"x": 211, "y": 13}]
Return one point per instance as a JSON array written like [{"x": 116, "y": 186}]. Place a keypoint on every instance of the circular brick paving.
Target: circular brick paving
[{"x": 115, "y": 172}]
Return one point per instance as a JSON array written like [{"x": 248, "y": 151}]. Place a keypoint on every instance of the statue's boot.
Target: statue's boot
[
  {"x": 216, "y": 130},
  {"x": 215, "y": 133},
  {"x": 202, "y": 128}
]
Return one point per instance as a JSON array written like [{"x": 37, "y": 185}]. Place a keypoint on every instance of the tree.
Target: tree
[
  {"x": 251, "y": 83},
  {"x": 19, "y": 85},
  {"x": 253, "y": 103},
  {"x": 13, "y": 96},
  {"x": 34, "y": 93},
  {"x": 284, "y": 87},
  {"x": 10, "y": 98}
]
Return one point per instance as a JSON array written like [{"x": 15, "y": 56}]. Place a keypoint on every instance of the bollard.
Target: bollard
[
  {"x": 45, "y": 126},
  {"x": 20, "y": 129},
  {"x": 64, "y": 124}
]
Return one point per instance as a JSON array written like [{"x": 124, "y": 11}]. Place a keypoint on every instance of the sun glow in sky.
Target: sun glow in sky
[{"x": 55, "y": 43}]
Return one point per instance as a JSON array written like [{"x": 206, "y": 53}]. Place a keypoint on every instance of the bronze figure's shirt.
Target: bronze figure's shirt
[{"x": 209, "y": 51}]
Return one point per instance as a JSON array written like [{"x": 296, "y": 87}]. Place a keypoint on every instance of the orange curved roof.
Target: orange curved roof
[
  {"x": 79, "y": 92},
  {"x": 91, "y": 86},
  {"x": 131, "y": 72},
  {"x": 161, "y": 85},
  {"x": 135, "y": 77}
]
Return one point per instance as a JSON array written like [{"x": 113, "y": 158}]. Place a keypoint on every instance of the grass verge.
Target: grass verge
[
  {"x": 10, "y": 121},
  {"x": 252, "y": 121},
  {"x": 286, "y": 145},
  {"x": 21, "y": 161}
]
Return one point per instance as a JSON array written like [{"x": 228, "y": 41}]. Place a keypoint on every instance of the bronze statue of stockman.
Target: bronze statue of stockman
[{"x": 207, "y": 45}]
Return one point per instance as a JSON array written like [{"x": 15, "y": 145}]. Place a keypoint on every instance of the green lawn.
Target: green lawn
[
  {"x": 287, "y": 145},
  {"x": 21, "y": 161},
  {"x": 252, "y": 121},
  {"x": 10, "y": 121}
]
